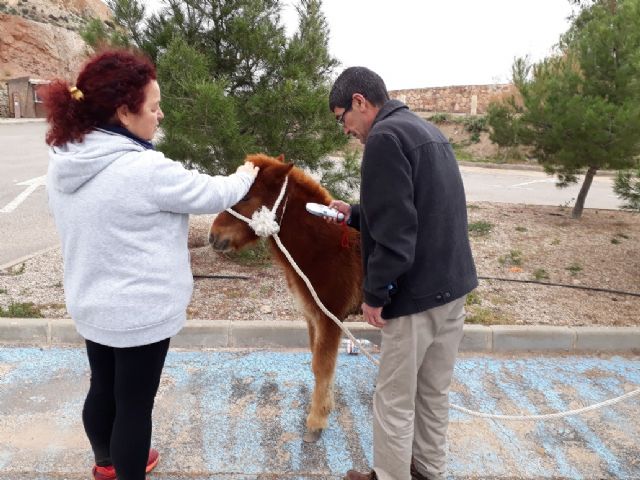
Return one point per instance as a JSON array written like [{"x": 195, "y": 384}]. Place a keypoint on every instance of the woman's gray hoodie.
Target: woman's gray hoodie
[{"x": 122, "y": 213}]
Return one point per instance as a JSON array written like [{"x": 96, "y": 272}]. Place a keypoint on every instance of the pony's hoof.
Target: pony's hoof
[{"x": 312, "y": 436}]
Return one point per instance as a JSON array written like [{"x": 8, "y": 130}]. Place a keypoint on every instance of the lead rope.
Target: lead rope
[{"x": 263, "y": 222}]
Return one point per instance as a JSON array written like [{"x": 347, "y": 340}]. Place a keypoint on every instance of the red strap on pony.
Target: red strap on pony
[{"x": 344, "y": 241}]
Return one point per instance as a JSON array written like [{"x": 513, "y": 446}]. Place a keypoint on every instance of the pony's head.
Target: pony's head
[{"x": 230, "y": 233}]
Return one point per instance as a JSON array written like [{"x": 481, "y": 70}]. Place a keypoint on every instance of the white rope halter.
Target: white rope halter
[{"x": 263, "y": 221}]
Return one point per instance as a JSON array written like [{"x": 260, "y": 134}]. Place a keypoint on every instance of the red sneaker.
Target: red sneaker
[
  {"x": 103, "y": 473},
  {"x": 109, "y": 473},
  {"x": 152, "y": 461}
]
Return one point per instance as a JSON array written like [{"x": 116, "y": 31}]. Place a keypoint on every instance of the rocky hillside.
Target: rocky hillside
[{"x": 39, "y": 38}]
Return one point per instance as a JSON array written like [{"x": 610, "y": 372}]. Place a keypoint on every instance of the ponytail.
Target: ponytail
[
  {"x": 108, "y": 80},
  {"x": 64, "y": 106}
]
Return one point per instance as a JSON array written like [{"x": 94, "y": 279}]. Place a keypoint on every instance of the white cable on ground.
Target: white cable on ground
[
  {"x": 549, "y": 416},
  {"x": 455, "y": 407},
  {"x": 264, "y": 224}
]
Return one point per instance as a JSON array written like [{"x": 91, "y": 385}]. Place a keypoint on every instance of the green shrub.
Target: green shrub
[
  {"x": 514, "y": 258},
  {"x": 21, "y": 310},
  {"x": 439, "y": 118},
  {"x": 18, "y": 270},
  {"x": 574, "y": 268},
  {"x": 541, "y": 274},
  {"x": 485, "y": 316},
  {"x": 256, "y": 255},
  {"x": 461, "y": 153},
  {"x": 473, "y": 299},
  {"x": 480, "y": 228},
  {"x": 473, "y": 124}
]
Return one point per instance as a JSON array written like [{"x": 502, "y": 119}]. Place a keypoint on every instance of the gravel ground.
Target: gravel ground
[{"x": 602, "y": 250}]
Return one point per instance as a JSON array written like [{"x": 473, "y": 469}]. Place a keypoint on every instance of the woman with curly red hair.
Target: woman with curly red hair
[{"x": 122, "y": 212}]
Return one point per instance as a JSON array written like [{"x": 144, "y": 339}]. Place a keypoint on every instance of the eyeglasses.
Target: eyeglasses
[{"x": 340, "y": 119}]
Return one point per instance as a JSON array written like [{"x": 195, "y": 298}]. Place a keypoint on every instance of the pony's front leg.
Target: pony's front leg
[{"x": 324, "y": 351}]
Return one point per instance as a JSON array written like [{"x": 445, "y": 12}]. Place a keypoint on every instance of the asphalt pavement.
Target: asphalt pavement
[
  {"x": 239, "y": 414},
  {"x": 533, "y": 187},
  {"x": 26, "y": 227}
]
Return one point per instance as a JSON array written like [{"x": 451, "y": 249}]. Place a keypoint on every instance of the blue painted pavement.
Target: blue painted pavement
[{"x": 239, "y": 414}]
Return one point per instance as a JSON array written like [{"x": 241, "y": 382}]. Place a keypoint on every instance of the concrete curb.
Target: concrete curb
[
  {"x": 26, "y": 258},
  {"x": 501, "y": 166},
  {"x": 293, "y": 334},
  {"x": 8, "y": 121}
]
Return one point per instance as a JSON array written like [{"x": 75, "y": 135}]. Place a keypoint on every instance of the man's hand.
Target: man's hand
[
  {"x": 341, "y": 206},
  {"x": 372, "y": 316}
]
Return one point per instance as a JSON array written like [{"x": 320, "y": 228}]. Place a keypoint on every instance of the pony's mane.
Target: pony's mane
[
  {"x": 310, "y": 186},
  {"x": 305, "y": 184}
]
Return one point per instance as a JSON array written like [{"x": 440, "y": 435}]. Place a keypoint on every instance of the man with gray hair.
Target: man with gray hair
[{"x": 418, "y": 270}]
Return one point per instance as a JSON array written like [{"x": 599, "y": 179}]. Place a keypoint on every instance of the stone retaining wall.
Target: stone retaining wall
[{"x": 463, "y": 99}]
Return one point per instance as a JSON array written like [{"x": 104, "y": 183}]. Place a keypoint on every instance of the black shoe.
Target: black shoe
[
  {"x": 353, "y": 475},
  {"x": 415, "y": 474}
]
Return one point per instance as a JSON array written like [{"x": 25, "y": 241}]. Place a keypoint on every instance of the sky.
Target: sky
[{"x": 429, "y": 43}]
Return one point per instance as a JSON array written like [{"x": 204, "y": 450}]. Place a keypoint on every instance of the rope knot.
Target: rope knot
[{"x": 263, "y": 222}]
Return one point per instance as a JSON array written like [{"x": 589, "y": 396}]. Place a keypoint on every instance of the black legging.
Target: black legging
[{"x": 117, "y": 411}]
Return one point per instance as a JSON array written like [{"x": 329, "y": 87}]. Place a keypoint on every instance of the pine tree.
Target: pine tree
[
  {"x": 233, "y": 83},
  {"x": 200, "y": 127},
  {"x": 580, "y": 108}
]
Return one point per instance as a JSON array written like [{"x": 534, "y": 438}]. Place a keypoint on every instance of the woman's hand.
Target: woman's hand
[
  {"x": 249, "y": 168},
  {"x": 342, "y": 207}
]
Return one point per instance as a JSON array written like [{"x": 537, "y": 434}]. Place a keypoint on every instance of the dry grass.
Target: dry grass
[{"x": 601, "y": 250}]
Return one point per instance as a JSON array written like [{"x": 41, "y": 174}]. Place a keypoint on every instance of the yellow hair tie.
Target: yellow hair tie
[{"x": 76, "y": 93}]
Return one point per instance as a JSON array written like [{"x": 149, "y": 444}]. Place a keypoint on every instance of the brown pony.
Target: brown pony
[{"x": 334, "y": 270}]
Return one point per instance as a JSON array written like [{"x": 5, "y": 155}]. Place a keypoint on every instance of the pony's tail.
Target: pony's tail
[{"x": 66, "y": 115}]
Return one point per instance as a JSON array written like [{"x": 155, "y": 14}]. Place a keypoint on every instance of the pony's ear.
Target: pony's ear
[
  {"x": 281, "y": 157},
  {"x": 289, "y": 166}
]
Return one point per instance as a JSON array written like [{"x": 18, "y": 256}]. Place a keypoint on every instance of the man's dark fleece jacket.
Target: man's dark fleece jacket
[{"x": 412, "y": 216}]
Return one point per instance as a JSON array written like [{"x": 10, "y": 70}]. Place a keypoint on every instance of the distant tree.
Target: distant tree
[
  {"x": 97, "y": 34},
  {"x": 504, "y": 119},
  {"x": 126, "y": 29},
  {"x": 129, "y": 15},
  {"x": 627, "y": 187},
  {"x": 580, "y": 108}
]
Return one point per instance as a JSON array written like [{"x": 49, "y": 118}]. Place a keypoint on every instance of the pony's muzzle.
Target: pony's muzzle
[{"x": 218, "y": 243}]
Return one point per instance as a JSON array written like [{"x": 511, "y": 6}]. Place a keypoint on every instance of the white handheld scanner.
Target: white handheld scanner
[{"x": 324, "y": 211}]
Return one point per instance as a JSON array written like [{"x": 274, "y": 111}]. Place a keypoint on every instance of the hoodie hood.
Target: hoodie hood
[{"x": 74, "y": 164}]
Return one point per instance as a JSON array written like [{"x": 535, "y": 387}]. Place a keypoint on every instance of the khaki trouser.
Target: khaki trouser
[{"x": 411, "y": 401}]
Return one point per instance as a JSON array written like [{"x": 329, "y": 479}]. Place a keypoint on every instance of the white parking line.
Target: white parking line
[
  {"x": 32, "y": 185},
  {"x": 546, "y": 180}
]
